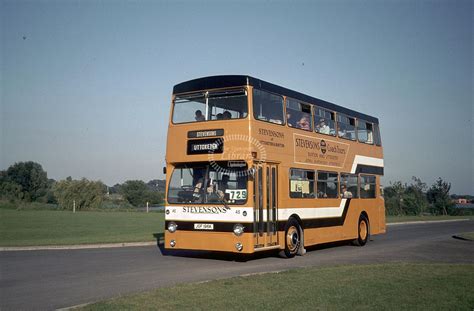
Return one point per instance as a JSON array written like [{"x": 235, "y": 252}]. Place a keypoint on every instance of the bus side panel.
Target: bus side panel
[
  {"x": 349, "y": 230},
  {"x": 371, "y": 207},
  {"x": 314, "y": 236}
]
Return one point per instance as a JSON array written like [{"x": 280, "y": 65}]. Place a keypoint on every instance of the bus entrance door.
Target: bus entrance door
[{"x": 266, "y": 205}]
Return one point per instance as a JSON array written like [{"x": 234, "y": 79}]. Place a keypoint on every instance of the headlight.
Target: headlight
[
  {"x": 172, "y": 227},
  {"x": 238, "y": 229}
]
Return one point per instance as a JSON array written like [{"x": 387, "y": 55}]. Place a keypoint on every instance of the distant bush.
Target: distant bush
[
  {"x": 138, "y": 193},
  {"x": 462, "y": 211},
  {"x": 84, "y": 193},
  {"x": 416, "y": 199},
  {"x": 115, "y": 202}
]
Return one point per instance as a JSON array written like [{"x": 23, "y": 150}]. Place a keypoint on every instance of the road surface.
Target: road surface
[{"x": 60, "y": 278}]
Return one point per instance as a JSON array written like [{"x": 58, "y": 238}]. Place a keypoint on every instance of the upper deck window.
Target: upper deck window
[
  {"x": 208, "y": 106},
  {"x": 346, "y": 127},
  {"x": 298, "y": 114},
  {"x": 365, "y": 132},
  {"x": 324, "y": 121},
  {"x": 267, "y": 107},
  {"x": 377, "y": 135}
]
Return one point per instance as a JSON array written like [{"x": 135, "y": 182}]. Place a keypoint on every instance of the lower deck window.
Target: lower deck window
[
  {"x": 349, "y": 183},
  {"x": 301, "y": 183},
  {"x": 327, "y": 185},
  {"x": 367, "y": 186}
]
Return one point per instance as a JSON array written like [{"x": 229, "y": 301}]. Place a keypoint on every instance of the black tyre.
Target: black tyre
[
  {"x": 293, "y": 233},
  {"x": 363, "y": 230}
]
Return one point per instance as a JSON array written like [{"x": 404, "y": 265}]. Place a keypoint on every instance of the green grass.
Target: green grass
[
  {"x": 467, "y": 236},
  {"x": 371, "y": 287},
  {"x": 49, "y": 227},
  {"x": 27, "y": 205},
  {"x": 392, "y": 219},
  {"x": 28, "y": 224}
]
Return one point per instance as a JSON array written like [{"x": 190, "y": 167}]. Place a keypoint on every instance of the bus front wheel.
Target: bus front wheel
[
  {"x": 363, "y": 231},
  {"x": 293, "y": 235}
]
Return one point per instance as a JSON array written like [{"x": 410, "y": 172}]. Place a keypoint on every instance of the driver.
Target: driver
[
  {"x": 198, "y": 187},
  {"x": 223, "y": 185}
]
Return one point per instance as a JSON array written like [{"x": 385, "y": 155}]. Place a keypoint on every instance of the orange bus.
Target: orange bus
[{"x": 252, "y": 166}]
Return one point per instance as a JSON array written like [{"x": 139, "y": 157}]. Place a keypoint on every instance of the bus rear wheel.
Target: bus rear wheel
[
  {"x": 293, "y": 234},
  {"x": 363, "y": 231}
]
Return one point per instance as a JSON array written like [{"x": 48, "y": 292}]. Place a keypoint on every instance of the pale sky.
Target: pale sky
[{"x": 86, "y": 85}]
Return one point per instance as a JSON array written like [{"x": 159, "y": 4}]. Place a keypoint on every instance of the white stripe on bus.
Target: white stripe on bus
[
  {"x": 363, "y": 160},
  {"x": 236, "y": 214}
]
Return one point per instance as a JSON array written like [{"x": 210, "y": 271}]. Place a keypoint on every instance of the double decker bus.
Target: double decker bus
[{"x": 252, "y": 166}]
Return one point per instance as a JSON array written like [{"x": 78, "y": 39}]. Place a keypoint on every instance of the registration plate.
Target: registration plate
[{"x": 204, "y": 226}]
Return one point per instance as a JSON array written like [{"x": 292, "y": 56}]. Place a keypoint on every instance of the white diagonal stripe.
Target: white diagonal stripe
[
  {"x": 312, "y": 212},
  {"x": 359, "y": 159}
]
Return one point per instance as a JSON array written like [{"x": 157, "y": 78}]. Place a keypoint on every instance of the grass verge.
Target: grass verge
[
  {"x": 467, "y": 236},
  {"x": 385, "y": 286},
  {"x": 392, "y": 219},
  {"x": 47, "y": 227}
]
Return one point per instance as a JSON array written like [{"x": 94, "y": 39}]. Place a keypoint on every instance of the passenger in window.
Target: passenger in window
[
  {"x": 198, "y": 116},
  {"x": 290, "y": 119},
  {"x": 346, "y": 194},
  {"x": 345, "y": 134},
  {"x": 322, "y": 127},
  {"x": 304, "y": 124},
  {"x": 220, "y": 116},
  {"x": 226, "y": 115}
]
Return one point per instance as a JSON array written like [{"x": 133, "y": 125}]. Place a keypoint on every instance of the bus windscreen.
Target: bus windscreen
[{"x": 208, "y": 183}]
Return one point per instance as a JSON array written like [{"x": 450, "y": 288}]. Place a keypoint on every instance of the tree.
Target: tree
[
  {"x": 86, "y": 194},
  {"x": 403, "y": 199},
  {"x": 416, "y": 201},
  {"x": 10, "y": 191},
  {"x": 135, "y": 191},
  {"x": 394, "y": 196},
  {"x": 155, "y": 197},
  {"x": 157, "y": 185},
  {"x": 31, "y": 177},
  {"x": 438, "y": 197}
]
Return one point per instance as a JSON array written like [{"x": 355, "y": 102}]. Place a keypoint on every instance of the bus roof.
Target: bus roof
[{"x": 214, "y": 82}]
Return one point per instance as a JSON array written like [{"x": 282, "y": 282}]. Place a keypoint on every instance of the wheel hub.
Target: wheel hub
[
  {"x": 292, "y": 238},
  {"x": 363, "y": 230}
]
